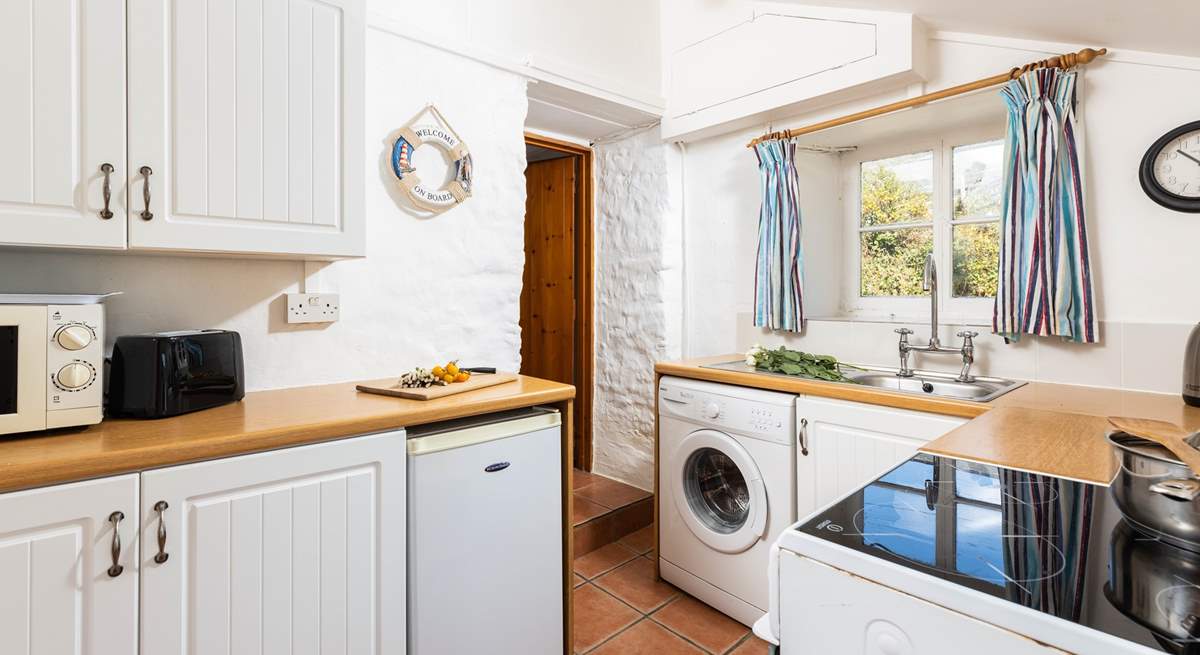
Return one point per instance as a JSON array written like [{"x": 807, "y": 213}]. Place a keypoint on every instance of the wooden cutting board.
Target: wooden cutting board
[{"x": 478, "y": 381}]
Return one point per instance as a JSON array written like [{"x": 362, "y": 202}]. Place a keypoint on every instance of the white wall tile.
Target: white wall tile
[
  {"x": 1152, "y": 356},
  {"x": 1094, "y": 365},
  {"x": 1137, "y": 356},
  {"x": 995, "y": 358}
]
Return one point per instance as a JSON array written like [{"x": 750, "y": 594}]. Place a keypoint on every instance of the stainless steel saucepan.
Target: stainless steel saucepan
[
  {"x": 1156, "y": 491},
  {"x": 1144, "y": 583}
]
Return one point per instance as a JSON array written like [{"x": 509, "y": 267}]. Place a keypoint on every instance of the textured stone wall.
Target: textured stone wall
[{"x": 638, "y": 292}]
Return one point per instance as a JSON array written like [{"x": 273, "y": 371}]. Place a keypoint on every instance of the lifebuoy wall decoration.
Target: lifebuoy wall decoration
[{"x": 412, "y": 136}]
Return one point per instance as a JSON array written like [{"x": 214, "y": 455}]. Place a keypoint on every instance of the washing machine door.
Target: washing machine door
[{"x": 719, "y": 491}]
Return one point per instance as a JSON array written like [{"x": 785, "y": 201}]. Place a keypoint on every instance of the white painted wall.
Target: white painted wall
[
  {"x": 1141, "y": 253},
  {"x": 611, "y": 46},
  {"x": 731, "y": 64},
  {"x": 429, "y": 289},
  {"x": 638, "y": 297}
]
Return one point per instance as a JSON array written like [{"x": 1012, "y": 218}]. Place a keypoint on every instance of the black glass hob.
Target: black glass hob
[{"x": 1054, "y": 545}]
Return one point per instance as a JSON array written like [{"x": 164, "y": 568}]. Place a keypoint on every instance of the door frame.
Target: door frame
[{"x": 584, "y": 290}]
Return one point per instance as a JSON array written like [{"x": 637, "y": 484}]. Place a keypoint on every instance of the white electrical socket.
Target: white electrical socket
[{"x": 312, "y": 307}]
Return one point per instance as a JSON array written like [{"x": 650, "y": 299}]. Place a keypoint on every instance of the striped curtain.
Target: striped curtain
[
  {"x": 1050, "y": 520},
  {"x": 778, "y": 286},
  {"x": 1045, "y": 283}
]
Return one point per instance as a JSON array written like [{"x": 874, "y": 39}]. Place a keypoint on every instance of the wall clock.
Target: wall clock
[{"x": 1170, "y": 171}]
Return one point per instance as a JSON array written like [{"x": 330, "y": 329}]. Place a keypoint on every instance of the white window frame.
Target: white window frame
[{"x": 942, "y": 144}]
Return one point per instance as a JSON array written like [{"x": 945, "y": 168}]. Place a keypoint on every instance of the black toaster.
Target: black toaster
[{"x": 172, "y": 373}]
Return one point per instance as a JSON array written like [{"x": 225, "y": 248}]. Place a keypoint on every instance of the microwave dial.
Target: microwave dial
[
  {"x": 76, "y": 376},
  {"x": 74, "y": 336}
]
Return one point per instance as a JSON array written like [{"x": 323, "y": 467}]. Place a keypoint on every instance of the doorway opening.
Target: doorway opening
[{"x": 556, "y": 294}]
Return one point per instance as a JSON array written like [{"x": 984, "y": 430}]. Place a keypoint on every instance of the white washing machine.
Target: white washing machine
[{"x": 726, "y": 489}]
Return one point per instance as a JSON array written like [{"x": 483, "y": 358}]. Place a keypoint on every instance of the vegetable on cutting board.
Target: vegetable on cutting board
[
  {"x": 439, "y": 376},
  {"x": 794, "y": 362}
]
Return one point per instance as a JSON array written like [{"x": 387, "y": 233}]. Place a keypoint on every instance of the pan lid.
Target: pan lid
[{"x": 1143, "y": 447}]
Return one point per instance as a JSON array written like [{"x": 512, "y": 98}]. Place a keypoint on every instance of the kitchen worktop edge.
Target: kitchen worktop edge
[
  {"x": 1057, "y": 429},
  {"x": 264, "y": 420}
]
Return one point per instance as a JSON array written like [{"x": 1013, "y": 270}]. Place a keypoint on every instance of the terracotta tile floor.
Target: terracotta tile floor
[
  {"x": 606, "y": 510},
  {"x": 622, "y": 609},
  {"x": 596, "y": 495}
]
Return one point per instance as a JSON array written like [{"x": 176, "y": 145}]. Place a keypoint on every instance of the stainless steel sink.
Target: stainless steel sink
[{"x": 926, "y": 383}]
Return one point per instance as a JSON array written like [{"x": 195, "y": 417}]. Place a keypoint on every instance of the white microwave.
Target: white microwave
[{"x": 51, "y": 366}]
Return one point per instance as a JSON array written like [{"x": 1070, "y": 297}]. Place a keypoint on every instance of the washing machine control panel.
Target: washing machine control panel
[{"x": 772, "y": 420}]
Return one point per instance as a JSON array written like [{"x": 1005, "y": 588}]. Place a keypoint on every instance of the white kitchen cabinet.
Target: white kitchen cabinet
[
  {"x": 300, "y": 550},
  {"x": 854, "y": 616},
  {"x": 57, "y": 592},
  {"x": 246, "y": 126},
  {"x": 62, "y": 120},
  {"x": 849, "y": 444}
]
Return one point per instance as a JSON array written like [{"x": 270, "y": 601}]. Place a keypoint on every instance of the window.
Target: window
[
  {"x": 921, "y": 197},
  {"x": 960, "y": 530},
  {"x": 896, "y": 224},
  {"x": 975, "y": 229}
]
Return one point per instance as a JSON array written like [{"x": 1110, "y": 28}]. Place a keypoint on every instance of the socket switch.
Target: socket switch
[{"x": 312, "y": 307}]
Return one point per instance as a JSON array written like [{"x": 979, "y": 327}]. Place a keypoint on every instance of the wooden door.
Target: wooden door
[
  {"x": 300, "y": 550},
  {"x": 548, "y": 296},
  {"x": 850, "y": 444},
  {"x": 56, "y": 592},
  {"x": 248, "y": 115},
  {"x": 61, "y": 121}
]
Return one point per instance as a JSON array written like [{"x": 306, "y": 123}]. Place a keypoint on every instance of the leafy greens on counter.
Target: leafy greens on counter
[{"x": 793, "y": 362}]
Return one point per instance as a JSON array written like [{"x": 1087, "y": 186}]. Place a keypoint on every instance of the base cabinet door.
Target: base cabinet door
[
  {"x": 849, "y": 444},
  {"x": 59, "y": 590},
  {"x": 293, "y": 551},
  {"x": 825, "y": 610}
]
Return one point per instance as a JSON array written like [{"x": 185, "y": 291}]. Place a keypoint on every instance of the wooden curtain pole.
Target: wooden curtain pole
[{"x": 1064, "y": 61}]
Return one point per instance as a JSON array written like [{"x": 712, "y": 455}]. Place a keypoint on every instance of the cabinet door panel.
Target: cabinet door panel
[
  {"x": 62, "y": 118},
  {"x": 249, "y": 113},
  {"x": 850, "y": 444},
  {"x": 293, "y": 551},
  {"x": 56, "y": 596}
]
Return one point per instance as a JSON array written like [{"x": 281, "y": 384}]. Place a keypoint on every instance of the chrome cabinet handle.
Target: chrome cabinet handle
[
  {"x": 146, "y": 172},
  {"x": 107, "y": 169},
  {"x": 802, "y": 437},
  {"x": 115, "y": 518},
  {"x": 160, "y": 507}
]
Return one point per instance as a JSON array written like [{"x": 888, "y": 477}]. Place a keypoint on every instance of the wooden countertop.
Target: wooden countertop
[
  {"x": 1059, "y": 443},
  {"x": 1057, "y": 429},
  {"x": 695, "y": 369},
  {"x": 264, "y": 420}
]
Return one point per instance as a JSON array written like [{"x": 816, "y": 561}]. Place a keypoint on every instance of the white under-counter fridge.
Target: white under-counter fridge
[{"x": 485, "y": 521}]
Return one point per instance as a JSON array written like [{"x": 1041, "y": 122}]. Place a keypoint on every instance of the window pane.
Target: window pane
[
  {"x": 897, "y": 190},
  {"x": 893, "y": 261},
  {"x": 911, "y": 474},
  {"x": 979, "y": 543},
  {"x": 899, "y": 522},
  {"x": 977, "y": 185},
  {"x": 976, "y": 258},
  {"x": 977, "y": 482}
]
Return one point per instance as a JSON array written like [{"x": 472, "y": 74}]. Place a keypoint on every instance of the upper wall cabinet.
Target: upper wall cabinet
[
  {"x": 62, "y": 122},
  {"x": 246, "y": 125},
  {"x": 242, "y": 120},
  {"x": 771, "y": 59}
]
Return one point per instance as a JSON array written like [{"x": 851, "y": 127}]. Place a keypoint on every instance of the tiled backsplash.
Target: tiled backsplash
[{"x": 1141, "y": 356}]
